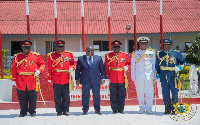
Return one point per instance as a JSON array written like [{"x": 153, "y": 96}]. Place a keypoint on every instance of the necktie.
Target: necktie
[{"x": 90, "y": 62}]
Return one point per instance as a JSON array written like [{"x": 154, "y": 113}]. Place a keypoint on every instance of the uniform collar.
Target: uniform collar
[
  {"x": 168, "y": 51},
  {"x": 59, "y": 52},
  {"x": 117, "y": 53},
  {"x": 142, "y": 50},
  {"x": 28, "y": 53}
]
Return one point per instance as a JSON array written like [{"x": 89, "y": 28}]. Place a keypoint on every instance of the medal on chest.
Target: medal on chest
[
  {"x": 66, "y": 59},
  {"x": 149, "y": 55},
  {"x": 122, "y": 60},
  {"x": 172, "y": 59},
  {"x": 31, "y": 62}
]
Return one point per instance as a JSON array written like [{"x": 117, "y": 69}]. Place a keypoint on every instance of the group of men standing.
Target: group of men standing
[{"x": 91, "y": 73}]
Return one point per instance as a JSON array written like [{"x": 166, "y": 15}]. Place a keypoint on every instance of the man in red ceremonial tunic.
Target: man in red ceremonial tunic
[
  {"x": 26, "y": 66},
  {"x": 116, "y": 65},
  {"x": 60, "y": 64}
]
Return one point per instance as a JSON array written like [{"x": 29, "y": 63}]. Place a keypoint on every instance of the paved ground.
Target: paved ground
[{"x": 47, "y": 116}]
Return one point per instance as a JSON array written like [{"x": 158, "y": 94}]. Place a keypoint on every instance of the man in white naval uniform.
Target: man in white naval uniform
[{"x": 142, "y": 73}]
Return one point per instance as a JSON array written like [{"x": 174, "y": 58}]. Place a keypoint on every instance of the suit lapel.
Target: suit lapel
[{"x": 85, "y": 61}]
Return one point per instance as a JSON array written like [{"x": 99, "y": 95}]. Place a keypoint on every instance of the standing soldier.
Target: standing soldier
[
  {"x": 168, "y": 65},
  {"x": 116, "y": 65},
  {"x": 60, "y": 65},
  {"x": 142, "y": 73},
  {"x": 26, "y": 67}
]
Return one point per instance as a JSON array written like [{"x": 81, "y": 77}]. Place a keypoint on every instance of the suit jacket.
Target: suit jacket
[{"x": 86, "y": 74}]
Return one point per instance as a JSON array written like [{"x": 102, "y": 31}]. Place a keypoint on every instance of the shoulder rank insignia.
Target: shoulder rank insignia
[
  {"x": 36, "y": 53},
  {"x": 17, "y": 54},
  {"x": 69, "y": 52}
]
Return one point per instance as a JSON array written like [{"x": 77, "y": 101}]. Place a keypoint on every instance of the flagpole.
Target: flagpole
[
  {"x": 135, "y": 37},
  {"x": 161, "y": 26},
  {"x": 109, "y": 26},
  {"x": 28, "y": 22},
  {"x": 83, "y": 26},
  {"x": 1, "y": 57},
  {"x": 56, "y": 24}
]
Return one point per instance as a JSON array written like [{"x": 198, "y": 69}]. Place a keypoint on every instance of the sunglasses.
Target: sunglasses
[
  {"x": 143, "y": 43},
  {"x": 90, "y": 51},
  {"x": 116, "y": 47},
  {"x": 167, "y": 44},
  {"x": 26, "y": 47}
]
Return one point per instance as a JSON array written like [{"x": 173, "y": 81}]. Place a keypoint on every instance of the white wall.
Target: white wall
[
  {"x": 40, "y": 46},
  {"x": 73, "y": 44},
  {"x": 5, "y": 90}
]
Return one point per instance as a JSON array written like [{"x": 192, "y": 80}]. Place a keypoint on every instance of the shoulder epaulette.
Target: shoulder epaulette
[
  {"x": 176, "y": 50},
  {"x": 69, "y": 52},
  {"x": 17, "y": 54},
  {"x": 36, "y": 53},
  {"x": 133, "y": 52},
  {"x": 151, "y": 49},
  {"x": 50, "y": 53}
]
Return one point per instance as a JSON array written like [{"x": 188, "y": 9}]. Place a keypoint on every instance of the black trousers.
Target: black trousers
[
  {"x": 117, "y": 96},
  {"x": 26, "y": 97},
  {"x": 61, "y": 97}
]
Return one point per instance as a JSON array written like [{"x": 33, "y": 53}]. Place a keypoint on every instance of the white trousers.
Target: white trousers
[{"x": 144, "y": 86}]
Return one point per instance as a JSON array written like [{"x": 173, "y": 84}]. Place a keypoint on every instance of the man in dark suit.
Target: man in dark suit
[{"x": 90, "y": 72}]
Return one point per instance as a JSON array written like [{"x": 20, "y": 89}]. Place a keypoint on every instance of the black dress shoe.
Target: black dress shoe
[
  {"x": 98, "y": 112},
  {"x": 66, "y": 113},
  {"x": 59, "y": 113},
  {"x": 33, "y": 114},
  {"x": 114, "y": 112},
  {"x": 121, "y": 111},
  {"x": 21, "y": 115},
  {"x": 84, "y": 113}
]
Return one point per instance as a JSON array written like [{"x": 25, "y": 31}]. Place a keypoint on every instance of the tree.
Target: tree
[{"x": 193, "y": 56}]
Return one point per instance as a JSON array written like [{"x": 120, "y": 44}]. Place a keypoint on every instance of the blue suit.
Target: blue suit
[
  {"x": 90, "y": 78},
  {"x": 165, "y": 63}
]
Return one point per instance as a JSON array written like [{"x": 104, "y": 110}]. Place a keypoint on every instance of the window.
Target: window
[
  {"x": 131, "y": 46},
  {"x": 100, "y": 45},
  {"x": 50, "y": 46},
  {"x": 15, "y": 47}
]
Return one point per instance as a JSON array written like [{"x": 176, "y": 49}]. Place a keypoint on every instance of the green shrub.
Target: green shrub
[
  {"x": 7, "y": 74},
  {"x": 193, "y": 56},
  {"x": 184, "y": 77}
]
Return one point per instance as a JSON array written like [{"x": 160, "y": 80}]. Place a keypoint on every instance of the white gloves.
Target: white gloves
[
  {"x": 125, "y": 68},
  {"x": 176, "y": 69},
  {"x": 37, "y": 72},
  {"x": 49, "y": 81},
  {"x": 14, "y": 83},
  {"x": 71, "y": 69}
]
